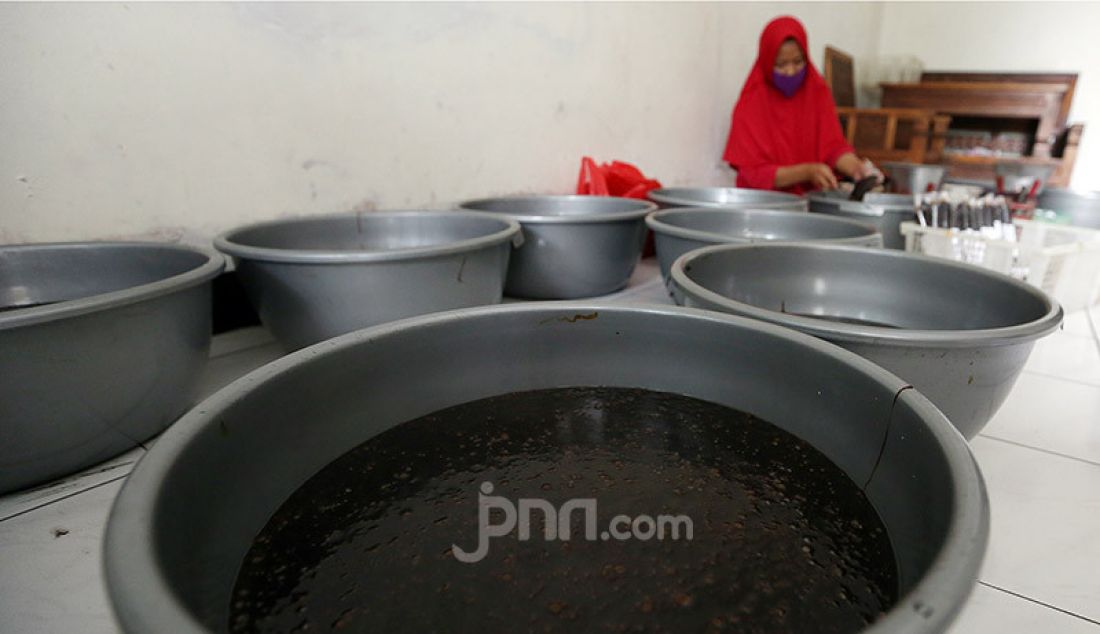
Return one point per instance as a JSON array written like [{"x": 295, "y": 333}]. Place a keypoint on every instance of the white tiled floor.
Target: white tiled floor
[
  {"x": 1068, "y": 356},
  {"x": 1040, "y": 456},
  {"x": 1045, "y": 512},
  {"x": 51, "y": 580},
  {"x": 1057, "y": 415},
  {"x": 994, "y": 611}
]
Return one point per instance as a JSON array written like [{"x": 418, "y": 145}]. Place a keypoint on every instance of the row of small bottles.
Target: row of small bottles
[{"x": 988, "y": 214}]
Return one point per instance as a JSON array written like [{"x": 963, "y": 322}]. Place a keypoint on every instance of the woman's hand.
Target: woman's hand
[
  {"x": 866, "y": 170},
  {"x": 821, "y": 175},
  {"x": 818, "y": 174},
  {"x": 857, "y": 169}
]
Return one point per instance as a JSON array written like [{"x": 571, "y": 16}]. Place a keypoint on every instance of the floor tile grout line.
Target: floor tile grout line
[
  {"x": 1061, "y": 378},
  {"x": 1040, "y": 449},
  {"x": 65, "y": 497},
  {"x": 1038, "y": 602}
]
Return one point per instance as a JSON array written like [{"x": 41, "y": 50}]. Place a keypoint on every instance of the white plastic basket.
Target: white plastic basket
[{"x": 1061, "y": 260}]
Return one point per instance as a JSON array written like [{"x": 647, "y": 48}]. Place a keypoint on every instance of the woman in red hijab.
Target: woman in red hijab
[{"x": 785, "y": 133}]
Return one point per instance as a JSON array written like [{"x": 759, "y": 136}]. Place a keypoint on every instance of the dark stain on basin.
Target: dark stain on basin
[{"x": 571, "y": 320}]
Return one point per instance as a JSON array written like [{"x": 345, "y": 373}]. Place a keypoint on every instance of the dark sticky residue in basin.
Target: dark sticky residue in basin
[{"x": 781, "y": 540}]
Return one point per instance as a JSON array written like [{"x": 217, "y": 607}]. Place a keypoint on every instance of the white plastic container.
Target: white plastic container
[{"x": 1063, "y": 261}]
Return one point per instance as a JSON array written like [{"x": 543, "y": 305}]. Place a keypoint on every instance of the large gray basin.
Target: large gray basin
[
  {"x": 101, "y": 348},
  {"x": 574, "y": 246},
  {"x": 311, "y": 279},
  {"x": 728, "y": 197},
  {"x": 187, "y": 515},
  {"x": 958, "y": 333},
  {"x": 680, "y": 230},
  {"x": 1081, "y": 208},
  {"x": 884, "y": 212}
]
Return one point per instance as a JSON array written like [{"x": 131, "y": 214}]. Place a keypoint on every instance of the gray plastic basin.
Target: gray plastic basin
[
  {"x": 314, "y": 278},
  {"x": 101, "y": 348},
  {"x": 909, "y": 178},
  {"x": 958, "y": 333},
  {"x": 574, "y": 246},
  {"x": 884, "y": 212},
  {"x": 190, "y": 510},
  {"x": 1081, "y": 208},
  {"x": 683, "y": 229}
]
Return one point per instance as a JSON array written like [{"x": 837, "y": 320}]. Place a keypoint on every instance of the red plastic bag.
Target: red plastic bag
[
  {"x": 613, "y": 179},
  {"x": 591, "y": 180}
]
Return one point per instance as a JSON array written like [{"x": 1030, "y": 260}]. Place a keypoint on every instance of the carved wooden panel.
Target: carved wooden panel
[{"x": 839, "y": 73}]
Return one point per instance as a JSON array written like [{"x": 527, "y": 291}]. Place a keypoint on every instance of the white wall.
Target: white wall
[
  {"x": 177, "y": 121},
  {"x": 1015, "y": 36}
]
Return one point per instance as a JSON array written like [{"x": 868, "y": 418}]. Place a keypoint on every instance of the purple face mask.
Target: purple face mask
[{"x": 788, "y": 84}]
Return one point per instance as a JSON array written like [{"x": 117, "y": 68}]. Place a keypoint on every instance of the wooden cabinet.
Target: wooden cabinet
[
  {"x": 895, "y": 134},
  {"x": 1032, "y": 107}
]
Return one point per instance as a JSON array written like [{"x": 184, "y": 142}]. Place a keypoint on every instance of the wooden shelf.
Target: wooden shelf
[
  {"x": 964, "y": 159},
  {"x": 999, "y": 103},
  {"x": 1042, "y": 102}
]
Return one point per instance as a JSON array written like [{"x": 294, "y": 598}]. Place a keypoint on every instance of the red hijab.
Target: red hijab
[{"x": 770, "y": 130}]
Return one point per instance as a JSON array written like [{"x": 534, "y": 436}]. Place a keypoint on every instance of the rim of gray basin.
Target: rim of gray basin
[
  {"x": 875, "y": 334},
  {"x": 656, "y": 222},
  {"x": 874, "y": 204},
  {"x": 209, "y": 269},
  {"x": 915, "y": 166},
  {"x": 632, "y": 208},
  {"x": 226, "y": 242},
  {"x": 681, "y": 197},
  {"x": 135, "y": 583}
]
